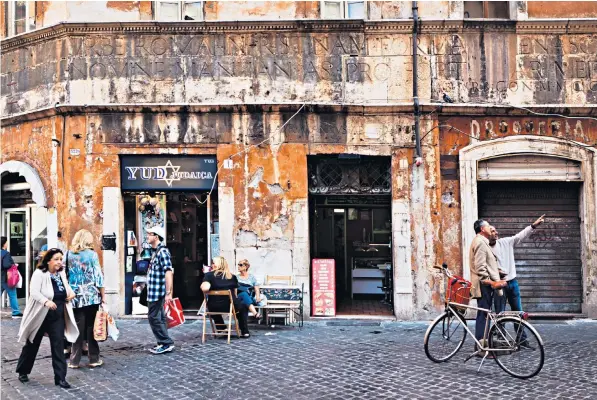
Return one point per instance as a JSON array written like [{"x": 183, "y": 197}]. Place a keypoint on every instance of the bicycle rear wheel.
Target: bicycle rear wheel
[
  {"x": 523, "y": 355},
  {"x": 445, "y": 337}
]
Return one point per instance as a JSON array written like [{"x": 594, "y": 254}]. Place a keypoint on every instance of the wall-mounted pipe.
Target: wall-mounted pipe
[{"x": 416, "y": 106}]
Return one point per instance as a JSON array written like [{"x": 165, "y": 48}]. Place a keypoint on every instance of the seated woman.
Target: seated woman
[
  {"x": 220, "y": 278},
  {"x": 248, "y": 282}
]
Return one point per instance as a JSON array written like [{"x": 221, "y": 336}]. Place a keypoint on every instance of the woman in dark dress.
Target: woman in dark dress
[{"x": 220, "y": 278}]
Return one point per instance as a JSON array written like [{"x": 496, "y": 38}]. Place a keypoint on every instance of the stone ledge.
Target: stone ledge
[{"x": 404, "y": 26}]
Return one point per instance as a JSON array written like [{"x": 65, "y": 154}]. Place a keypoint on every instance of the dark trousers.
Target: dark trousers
[
  {"x": 512, "y": 295},
  {"x": 85, "y": 317},
  {"x": 242, "y": 314},
  {"x": 157, "y": 321},
  {"x": 53, "y": 325},
  {"x": 485, "y": 301}
]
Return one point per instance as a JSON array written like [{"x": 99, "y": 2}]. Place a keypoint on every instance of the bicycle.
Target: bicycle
[{"x": 510, "y": 339}]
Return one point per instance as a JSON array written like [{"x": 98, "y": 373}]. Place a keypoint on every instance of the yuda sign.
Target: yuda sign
[
  {"x": 167, "y": 173},
  {"x": 324, "y": 287}
]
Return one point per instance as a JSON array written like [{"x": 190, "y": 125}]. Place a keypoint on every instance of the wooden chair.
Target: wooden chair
[{"x": 231, "y": 315}]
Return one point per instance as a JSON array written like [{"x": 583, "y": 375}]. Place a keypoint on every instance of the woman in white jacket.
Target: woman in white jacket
[{"x": 48, "y": 311}]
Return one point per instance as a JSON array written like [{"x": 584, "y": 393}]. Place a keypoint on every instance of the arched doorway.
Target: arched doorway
[
  {"x": 507, "y": 180},
  {"x": 24, "y": 217}
]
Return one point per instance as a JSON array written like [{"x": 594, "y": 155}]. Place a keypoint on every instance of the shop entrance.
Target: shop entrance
[
  {"x": 350, "y": 215},
  {"x": 24, "y": 224},
  {"x": 174, "y": 193},
  {"x": 189, "y": 222}
]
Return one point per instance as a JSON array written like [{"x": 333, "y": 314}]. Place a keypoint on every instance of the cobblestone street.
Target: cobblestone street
[{"x": 334, "y": 360}]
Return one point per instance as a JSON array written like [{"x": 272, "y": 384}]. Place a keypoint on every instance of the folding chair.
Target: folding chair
[
  {"x": 278, "y": 279},
  {"x": 270, "y": 313},
  {"x": 231, "y": 315}
]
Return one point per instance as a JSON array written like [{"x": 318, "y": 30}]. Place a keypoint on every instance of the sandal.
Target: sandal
[{"x": 258, "y": 315}]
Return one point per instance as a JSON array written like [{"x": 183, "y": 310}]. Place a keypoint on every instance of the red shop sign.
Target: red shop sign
[{"x": 324, "y": 287}]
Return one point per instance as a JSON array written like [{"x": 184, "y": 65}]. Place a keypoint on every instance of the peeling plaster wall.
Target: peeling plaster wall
[
  {"x": 562, "y": 9},
  {"x": 53, "y": 12},
  {"x": 269, "y": 186}
]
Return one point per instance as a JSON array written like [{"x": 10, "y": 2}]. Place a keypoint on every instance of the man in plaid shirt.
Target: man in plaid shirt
[{"x": 159, "y": 289}]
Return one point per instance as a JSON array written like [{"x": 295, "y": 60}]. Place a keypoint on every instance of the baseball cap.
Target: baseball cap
[{"x": 158, "y": 230}]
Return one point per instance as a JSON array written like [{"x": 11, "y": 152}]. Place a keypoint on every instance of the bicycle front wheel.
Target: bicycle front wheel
[
  {"x": 523, "y": 354},
  {"x": 445, "y": 337}
]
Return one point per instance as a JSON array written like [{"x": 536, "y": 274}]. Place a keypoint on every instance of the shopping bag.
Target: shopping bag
[
  {"x": 173, "y": 311},
  {"x": 100, "y": 325},
  {"x": 20, "y": 283},
  {"x": 113, "y": 330},
  {"x": 12, "y": 276}
]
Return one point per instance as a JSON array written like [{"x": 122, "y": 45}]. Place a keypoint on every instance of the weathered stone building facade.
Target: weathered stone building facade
[{"x": 283, "y": 87}]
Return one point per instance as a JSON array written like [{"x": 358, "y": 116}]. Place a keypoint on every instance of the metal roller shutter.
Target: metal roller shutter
[{"x": 548, "y": 264}]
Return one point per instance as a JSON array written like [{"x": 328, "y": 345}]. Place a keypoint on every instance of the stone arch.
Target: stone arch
[
  {"x": 469, "y": 158},
  {"x": 30, "y": 174}
]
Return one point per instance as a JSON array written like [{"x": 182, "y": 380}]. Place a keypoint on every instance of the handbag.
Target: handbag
[
  {"x": 12, "y": 276},
  {"x": 173, "y": 311},
  {"x": 100, "y": 325}
]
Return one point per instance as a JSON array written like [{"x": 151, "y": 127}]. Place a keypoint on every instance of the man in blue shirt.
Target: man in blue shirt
[
  {"x": 7, "y": 262},
  {"x": 159, "y": 289}
]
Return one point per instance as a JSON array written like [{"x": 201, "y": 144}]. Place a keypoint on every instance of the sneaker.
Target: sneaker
[
  {"x": 162, "y": 349},
  {"x": 17, "y": 316},
  {"x": 96, "y": 364}
]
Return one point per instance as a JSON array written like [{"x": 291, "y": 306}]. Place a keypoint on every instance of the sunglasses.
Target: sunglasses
[{"x": 243, "y": 265}]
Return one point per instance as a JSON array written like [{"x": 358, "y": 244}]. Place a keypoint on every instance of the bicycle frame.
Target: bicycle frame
[{"x": 491, "y": 316}]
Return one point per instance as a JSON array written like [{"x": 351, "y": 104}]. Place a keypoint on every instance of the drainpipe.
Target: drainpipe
[{"x": 417, "y": 110}]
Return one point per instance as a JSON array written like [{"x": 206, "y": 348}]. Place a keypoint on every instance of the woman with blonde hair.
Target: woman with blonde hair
[
  {"x": 87, "y": 280},
  {"x": 248, "y": 288},
  {"x": 220, "y": 278}
]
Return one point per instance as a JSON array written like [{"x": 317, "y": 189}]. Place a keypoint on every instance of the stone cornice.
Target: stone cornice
[
  {"x": 404, "y": 26},
  {"x": 432, "y": 110}
]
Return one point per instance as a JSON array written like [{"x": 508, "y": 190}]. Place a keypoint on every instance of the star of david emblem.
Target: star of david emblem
[{"x": 171, "y": 175}]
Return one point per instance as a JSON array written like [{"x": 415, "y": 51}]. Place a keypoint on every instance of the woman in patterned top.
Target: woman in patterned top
[{"x": 87, "y": 280}]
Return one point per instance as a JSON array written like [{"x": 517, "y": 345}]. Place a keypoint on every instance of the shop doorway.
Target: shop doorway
[
  {"x": 548, "y": 264},
  {"x": 24, "y": 224},
  {"x": 350, "y": 219}
]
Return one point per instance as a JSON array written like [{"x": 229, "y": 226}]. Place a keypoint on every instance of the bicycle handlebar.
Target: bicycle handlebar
[{"x": 444, "y": 269}]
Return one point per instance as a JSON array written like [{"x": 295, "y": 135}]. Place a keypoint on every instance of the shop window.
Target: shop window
[
  {"x": 178, "y": 10},
  {"x": 20, "y": 17},
  {"x": 487, "y": 9},
  {"x": 341, "y": 9}
]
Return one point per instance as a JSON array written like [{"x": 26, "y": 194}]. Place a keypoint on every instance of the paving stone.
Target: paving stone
[{"x": 343, "y": 360}]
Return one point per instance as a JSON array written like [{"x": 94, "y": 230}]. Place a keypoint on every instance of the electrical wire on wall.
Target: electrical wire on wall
[{"x": 246, "y": 150}]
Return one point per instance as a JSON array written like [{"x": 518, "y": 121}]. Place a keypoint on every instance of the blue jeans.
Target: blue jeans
[
  {"x": 12, "y": 295},
  {"x": 484, "y": 302},
  {"x": 246, "y": 298},
  {"x": 512, "y": 295}
]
